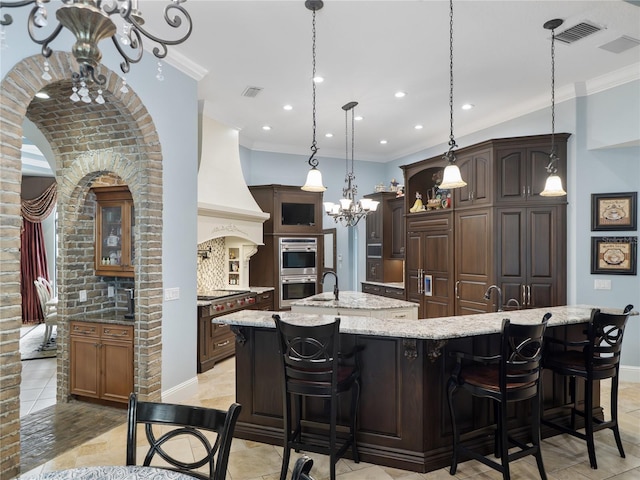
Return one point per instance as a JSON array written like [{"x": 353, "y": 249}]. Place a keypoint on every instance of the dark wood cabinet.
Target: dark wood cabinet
[
  {"x": 501, "y": 230},
  {"x": 396, "y": 206},
  {"x": 264, "y": 301},
  {"x": 384, "y": 246},
  {"x": 101, "y": 361},
  {"x": 430, "y": 264},
  {"x": 521, "y": 168},
  {"x": 216, "y": 341},
  {"x": 474, "y": 265},
  {"x": 293, "y": 211},
  {"x": 383, "y": 290},
  {"x": 475, "y": 168},
  {"x": 114, "y": 232},
  {"x": 532, "y": 255}
]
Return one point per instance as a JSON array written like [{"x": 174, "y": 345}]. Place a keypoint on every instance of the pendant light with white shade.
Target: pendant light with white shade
[
  {"x": 451, "y": 177},
  {"x": 553, "y": 185},
  {"x": 314, "y": 177}
]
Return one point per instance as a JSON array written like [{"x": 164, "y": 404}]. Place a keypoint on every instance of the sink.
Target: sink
[{"x": 320, "y": 299}]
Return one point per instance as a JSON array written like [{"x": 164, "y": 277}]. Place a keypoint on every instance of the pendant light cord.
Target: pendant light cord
[
  {"x": 553, "y": 92},
  {"x": 452, "y": 142},
  {"x": 553, "y": 158},
  {"x": 314, "y": 147}
]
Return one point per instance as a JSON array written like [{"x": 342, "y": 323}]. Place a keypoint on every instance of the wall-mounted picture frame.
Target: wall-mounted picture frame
[
  {"x": 614, "y": 255},
  {"x": 428, "y": 286},
  {"x": 614, "y": 211}
]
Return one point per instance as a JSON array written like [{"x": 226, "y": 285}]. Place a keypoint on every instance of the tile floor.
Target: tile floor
[
  {"x": 38, "y": 387},
  {"x": 565, "y": 457}
]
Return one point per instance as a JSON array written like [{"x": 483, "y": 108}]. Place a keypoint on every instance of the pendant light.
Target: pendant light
[
  {"x": 451, "y": 178},
  {"x": 553, "y": 185},
  {"x": 314, "y": 177},
  {"x": 349, "y": 211}
]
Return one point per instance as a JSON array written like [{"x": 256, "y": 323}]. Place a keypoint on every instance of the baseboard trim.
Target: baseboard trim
[
  {"x": 181, "y": 392},
  {"x": 629, "y": 374}
]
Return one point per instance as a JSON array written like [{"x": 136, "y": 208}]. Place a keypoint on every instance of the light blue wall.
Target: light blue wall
[{"x": 173, "y": 107}]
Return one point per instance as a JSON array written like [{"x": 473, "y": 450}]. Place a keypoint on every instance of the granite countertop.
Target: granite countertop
[
  {"x": 399, "y": 285},
  {"x": 115, "y": 317},
  {"x": 352, "y": 301},
  {"x": 427, "y": 329}
]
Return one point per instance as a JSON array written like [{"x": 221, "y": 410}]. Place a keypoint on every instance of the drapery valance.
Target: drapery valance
[{"x": 39, "y": 208}]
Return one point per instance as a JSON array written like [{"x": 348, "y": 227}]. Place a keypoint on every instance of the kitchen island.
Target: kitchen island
[
  {"x": 356, "y": 303},
  {"x": 403, "y": 419}
]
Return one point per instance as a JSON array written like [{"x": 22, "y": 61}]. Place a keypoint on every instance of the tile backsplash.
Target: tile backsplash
[{"x": 211, "y": 271}]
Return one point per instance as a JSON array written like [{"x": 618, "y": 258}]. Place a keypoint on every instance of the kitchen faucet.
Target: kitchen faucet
[
  {"x": 487, "y": 296},
  {"x": 336, "y": 291}
]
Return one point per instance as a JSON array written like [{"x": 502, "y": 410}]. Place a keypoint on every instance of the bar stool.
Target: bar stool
[
  {"x": 595, "y": 358},
  {"x": 511, "y": 376},
  {"x": 311, "y": 367}
]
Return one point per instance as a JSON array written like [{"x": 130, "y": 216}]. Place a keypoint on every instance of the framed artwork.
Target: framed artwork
[
  {"x": 428, "y": 292},
  {"x": 614, "y": 255},
  {"x": 614, "y": 211}
]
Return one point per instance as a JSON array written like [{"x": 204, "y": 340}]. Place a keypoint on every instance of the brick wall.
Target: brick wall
[{"x": 115, "y": 141}]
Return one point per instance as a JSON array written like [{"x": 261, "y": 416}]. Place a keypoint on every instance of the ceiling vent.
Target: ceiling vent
[
  {"x": 251, "y": 92},
  {"x": 577, "y": 32},
  {"x": 620, "y": 44}
]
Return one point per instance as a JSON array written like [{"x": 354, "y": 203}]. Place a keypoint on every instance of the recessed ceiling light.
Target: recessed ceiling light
[
  {"x": 358, "y": 118},
  {"x": 418, "y": 127},
  {"x": 383, "y": 142},
  {"x": 318, "y": 79},
  {"x": 328, "y": 135},
  {"x": 400, "y": 94},
  {"x": 266, "y": 127},
  {"x": 288, "y": 107},
  {"x": 43, "y": 95},
  {"x": 468, "y": 106}
]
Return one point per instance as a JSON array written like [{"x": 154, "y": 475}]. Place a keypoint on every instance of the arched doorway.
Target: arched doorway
[{"x": 89, "y": 141}]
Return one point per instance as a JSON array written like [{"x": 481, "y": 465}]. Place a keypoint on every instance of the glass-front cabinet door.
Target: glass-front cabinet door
[{"x": 114, "y": 234}]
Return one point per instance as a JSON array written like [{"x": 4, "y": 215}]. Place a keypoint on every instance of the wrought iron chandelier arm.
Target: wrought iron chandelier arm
[
  {"x": 31, "y": 28},
  {"x": 8, "y": 19},
  {"x": 136, "y": 46},
  {"x": 313, "y": 161}
]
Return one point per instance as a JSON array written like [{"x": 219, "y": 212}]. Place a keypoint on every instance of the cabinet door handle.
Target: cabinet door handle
[
  {"x": 529, "y": 295},
  {"x": 456, "y": 290},
  {"x": 529, "y": 191},
  {"x": 523, "y": 295},
  {"x": 223, "y": 344},
  {"x": 419, "y": 279}
]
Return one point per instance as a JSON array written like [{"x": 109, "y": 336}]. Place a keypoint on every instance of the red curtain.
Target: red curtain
[
  {"x": 33, "y": 255},
  {"x": 33, "y": 264}
]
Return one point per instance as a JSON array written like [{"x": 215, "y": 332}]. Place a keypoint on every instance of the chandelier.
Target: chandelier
[
  {"x": 553, "y": 185},
  {"x": 451, "y": 177},
  {"x": 314, "y": 177},
  {"x": 349, "y": 211},
  {"x": 90, "y": 21}
]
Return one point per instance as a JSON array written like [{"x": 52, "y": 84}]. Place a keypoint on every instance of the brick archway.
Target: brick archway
[{"x": 118, "y": 138}]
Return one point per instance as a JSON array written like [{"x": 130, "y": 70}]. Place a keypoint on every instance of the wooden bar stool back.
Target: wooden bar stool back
[
  {"x": 312, "y": 367},
  {"x": 511, "y": 376},
  {"x": 594, "y": 358}
]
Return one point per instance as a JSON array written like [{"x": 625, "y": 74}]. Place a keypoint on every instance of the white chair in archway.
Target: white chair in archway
[{"x": 48, "y": 304}]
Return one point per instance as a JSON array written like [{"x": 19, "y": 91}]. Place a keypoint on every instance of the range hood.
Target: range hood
[{"x": 226, "y": 208}]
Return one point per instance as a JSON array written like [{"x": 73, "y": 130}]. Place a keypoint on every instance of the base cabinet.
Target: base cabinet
[
  {"x": 407, "y": 425},
  {"x": 101, "y": 361}
]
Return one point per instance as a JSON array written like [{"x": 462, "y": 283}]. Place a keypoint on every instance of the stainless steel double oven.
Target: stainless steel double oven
[{"x": 298, "y": 264}]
